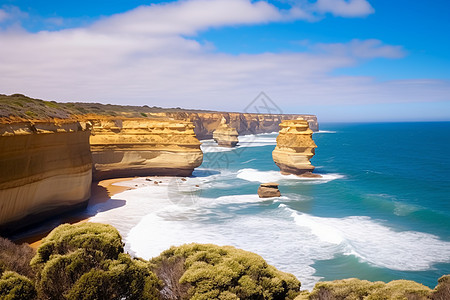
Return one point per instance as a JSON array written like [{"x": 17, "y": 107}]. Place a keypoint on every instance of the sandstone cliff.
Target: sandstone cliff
[
  {"x": 295, "y": 147},
  {"x": 124, "y": 147},
  {"x": 225, "y": 136},
  {"x": 206, "y": 122},
  {"x": 45, "y": 168}
]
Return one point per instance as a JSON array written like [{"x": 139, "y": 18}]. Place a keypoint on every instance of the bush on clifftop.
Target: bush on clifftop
[
  {"x": 355, "y": 289},
  {"x": 86, "y": 261},
  {"x": 14, "y": 286},
  {"x": 205, "y": 271}
]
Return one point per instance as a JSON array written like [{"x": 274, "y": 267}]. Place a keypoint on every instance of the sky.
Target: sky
[{"x": 342, "y": 60}]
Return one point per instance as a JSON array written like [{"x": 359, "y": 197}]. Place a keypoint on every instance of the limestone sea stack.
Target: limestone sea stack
[
  {"x": 295, "y": 147},
  {"x": 225, "y": 136},
  {"x": 269, "y": 190},
  {"x": 126, "y": 147},
  {"x": 45, "y": 169}
]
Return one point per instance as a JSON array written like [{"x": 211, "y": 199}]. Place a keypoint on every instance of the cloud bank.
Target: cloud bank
[{"x": 149, "y": 56}]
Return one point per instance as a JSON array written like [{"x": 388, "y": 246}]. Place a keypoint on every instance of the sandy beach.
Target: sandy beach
[{"x": 101, "y": 191}]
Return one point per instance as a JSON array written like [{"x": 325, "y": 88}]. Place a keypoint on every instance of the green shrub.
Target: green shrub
[
  {"x": 214, "y": 272},
  {"x": 144, "y": 114},
  {"x": 401, "y": 289},
  {"x": 86, "y": 261},
  {"x": 89, "y": 236},
  {"x": 14, "y": 286},
  {"x": 124, "y": 278},
  {"x": 51, "y": 104},
  {"x": 354, "y": 289},
  {"x": 30, "y": 113},
  {"x": 344, "y": 289}
]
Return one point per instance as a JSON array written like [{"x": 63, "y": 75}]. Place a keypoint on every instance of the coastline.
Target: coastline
[{"x": 101, "y": 192}]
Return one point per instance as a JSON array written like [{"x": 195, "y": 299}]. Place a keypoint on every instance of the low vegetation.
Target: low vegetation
[
  {"x": 201, "y": 272},
  {"x": 23, "y": 107},
  {"x": 355, "y": 289},
  {"x": 87, "y": 261}
]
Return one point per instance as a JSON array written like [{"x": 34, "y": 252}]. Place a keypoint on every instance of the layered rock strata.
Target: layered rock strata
[
  {"x": 141, "y": 147},
  {"x": 295, "y": 147},
  {"x": 206, "y": 122},
  {"x": 269, "y": 190},
  {"x": 45, "y": 169},
  {"x": 225, "y": 136}
]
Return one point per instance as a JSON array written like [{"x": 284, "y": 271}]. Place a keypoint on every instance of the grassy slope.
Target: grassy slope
[{"x": 21, "y": 106}]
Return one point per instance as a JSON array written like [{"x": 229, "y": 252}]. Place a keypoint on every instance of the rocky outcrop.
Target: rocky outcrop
[
  {"x": 45, "y": 169},
  {"x": 295, "y": 147},
  {"x": 269, "y": 190},
  {"x": 140, "y": 147},
  {"x": 206, "y": 122},
  {"x": 225, "y": 136}
]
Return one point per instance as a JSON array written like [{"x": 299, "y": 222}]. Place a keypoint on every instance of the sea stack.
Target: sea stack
[
  {"x": 295, "y": 147},
  {"x": 225, "y": 135},
  {"x": 126, "y": 147},
  {"x": 268, "y": 190}
]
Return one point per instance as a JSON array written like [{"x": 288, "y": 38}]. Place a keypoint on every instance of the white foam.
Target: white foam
[
  {"x": 151, "y": 218},
  {"x": 325, "y": 131},
  {"x": 268, "y": 176},
  {"x": 378, "y": 244},
  {"x": 245, "y": 141}
]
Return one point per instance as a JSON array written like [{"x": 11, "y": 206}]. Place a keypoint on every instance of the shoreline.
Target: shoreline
[{"x": 101, "y": 192}]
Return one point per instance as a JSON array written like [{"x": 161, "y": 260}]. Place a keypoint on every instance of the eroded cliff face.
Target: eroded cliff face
[
  {"x": 142, "y": 147},
  {"x": 206, "y": 122},
  {"x": 295, "y": 147},
  {"x": 225, "y": 135},
  {"x": 45, "y": 169}
]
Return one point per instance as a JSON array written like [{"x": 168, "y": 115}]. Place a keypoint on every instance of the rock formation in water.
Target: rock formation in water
[
  {"x": 206, "y": 122},
  {"x": 225, "y": 136},
  {"x": 45, "y": 169},
  {"x": 140, "y": 147},
  {"x": 295, "y": 147},
  {"x": 269, "y": 190}
]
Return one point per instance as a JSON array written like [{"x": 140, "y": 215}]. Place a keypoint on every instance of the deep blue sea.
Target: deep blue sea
[{"x": 380, "y": 212}]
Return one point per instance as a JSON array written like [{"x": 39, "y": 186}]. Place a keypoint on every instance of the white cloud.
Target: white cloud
[
  {"x": 345, "y": 8},
  {"x": 140, "y": 57},
  {"x": 3, "y": 15},
  {"x": 189, "y": 17},
  {"x": 371, "y": 48}
]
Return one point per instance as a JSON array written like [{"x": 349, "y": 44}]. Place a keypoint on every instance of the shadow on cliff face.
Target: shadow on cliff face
[{"x": 99, "y": 201}]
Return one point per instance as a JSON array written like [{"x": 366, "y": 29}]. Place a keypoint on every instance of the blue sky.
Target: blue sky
[{"x": 355, "y": 60}]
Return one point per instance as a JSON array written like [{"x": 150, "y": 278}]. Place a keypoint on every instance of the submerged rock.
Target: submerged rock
[
  {"x": 295, "y": 147},
  {"x": 225, "y": 135},
  {"x": 269, "y": 190}
]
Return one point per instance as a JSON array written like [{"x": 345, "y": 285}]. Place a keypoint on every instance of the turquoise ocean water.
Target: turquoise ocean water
[{"x": 380, "y": 212}]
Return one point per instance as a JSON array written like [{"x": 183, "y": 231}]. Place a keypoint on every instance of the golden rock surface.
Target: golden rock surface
[
  {"x": 295, "y": 147},
  {"x": 124, "y": 147},
  {"x": 225, "y": 135},
  {"x": 45, "y": 168}
]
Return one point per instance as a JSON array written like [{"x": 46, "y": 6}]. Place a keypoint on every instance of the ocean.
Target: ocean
[{"x": 380, "y": 212}]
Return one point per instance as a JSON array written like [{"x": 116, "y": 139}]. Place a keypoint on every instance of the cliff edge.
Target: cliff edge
[
  {"x": 45, "y": 169},
  {"x": 141, "y": 147}
]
